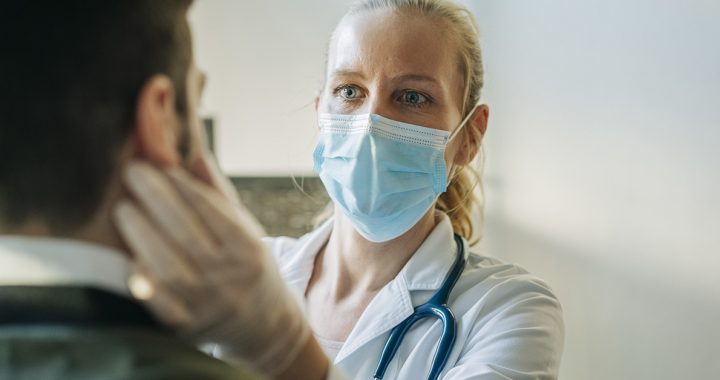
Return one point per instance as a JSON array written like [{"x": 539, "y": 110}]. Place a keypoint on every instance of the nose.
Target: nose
[
  {"x": 380, "y": 102},
  {"x": 376, "y": 104}
]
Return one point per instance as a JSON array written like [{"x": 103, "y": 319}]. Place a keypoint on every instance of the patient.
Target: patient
[{"x": 87, "y": 86}]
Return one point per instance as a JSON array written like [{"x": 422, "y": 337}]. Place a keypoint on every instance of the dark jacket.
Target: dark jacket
[{"x": 77, "y": 333}]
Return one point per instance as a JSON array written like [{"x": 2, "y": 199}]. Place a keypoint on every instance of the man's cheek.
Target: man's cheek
[{"x": 189, "y": 144}]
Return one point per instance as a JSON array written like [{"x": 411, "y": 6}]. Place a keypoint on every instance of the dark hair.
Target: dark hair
[{"x": 70, "y": 75}]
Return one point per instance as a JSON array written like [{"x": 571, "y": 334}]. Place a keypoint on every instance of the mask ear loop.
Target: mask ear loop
[
  {"x": 457, "y": 130},
  {"x": 463, "y": 122}
]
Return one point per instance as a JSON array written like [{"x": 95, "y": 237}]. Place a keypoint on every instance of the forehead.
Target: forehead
[{"x": 390, "y": 43}]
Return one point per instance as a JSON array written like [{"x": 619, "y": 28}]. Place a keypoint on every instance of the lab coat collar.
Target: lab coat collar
[
  {"x": 299, "y": 268},
  {"x": 425, "y": 270}
]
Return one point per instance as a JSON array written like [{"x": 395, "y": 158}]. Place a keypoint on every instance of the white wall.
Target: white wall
[
  {"x": 603, "y": 157},
  {"x": 603, "y": 171},
  {"x": 265, "y": 64}
]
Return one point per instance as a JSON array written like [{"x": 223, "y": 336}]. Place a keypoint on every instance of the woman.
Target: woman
[{"x": 400, "y": 123}]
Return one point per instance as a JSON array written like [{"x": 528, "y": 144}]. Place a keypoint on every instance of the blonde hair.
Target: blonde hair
[{"x": 460, "y": 199}]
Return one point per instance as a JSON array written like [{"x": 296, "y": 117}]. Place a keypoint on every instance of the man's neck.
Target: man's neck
[
  {"x": 99, "y": 230},
  {"x": 98, "y": 233}
]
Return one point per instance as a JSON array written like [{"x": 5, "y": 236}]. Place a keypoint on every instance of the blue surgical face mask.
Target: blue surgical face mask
[{"x": 383, "y": 174}]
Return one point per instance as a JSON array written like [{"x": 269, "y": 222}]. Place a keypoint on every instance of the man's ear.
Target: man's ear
[
  {"x": 478, "y": 124},
  {"x": 317, "y": 102},
  {"x": 156, "y": 122}
]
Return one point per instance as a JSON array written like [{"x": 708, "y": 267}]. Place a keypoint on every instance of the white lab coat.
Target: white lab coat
[{"x": 510, "y": 323}]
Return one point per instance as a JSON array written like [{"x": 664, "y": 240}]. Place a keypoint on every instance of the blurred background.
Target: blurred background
[{"x": 602, "y": 173}]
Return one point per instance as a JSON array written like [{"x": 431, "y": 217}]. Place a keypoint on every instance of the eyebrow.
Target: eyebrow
[
  {"x": 401, "y": 78},
  {"x": 417, "y": 78},
  {"x": 348, "y": 73}
]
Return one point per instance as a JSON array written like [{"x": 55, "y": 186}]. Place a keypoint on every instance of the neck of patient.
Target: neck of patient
[
  {"x": 95, "y": 233},
  {"x": 98, "y": 230},
  {"x": 355, "y": 264}
]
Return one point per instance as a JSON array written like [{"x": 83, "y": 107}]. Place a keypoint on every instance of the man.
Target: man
[{"x": 89, "y": 86}]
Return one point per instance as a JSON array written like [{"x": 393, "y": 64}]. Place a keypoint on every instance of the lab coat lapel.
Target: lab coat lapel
[
  {"x": 387, "y": 309},
  {"x": 425, "y": 270},
  {"x": 298, "y": 268}
]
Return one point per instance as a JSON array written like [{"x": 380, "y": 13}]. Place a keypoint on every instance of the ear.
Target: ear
[
  {"x": 317, "y": 102},
  {"x": 478, "y": 123},
  {"x": 156, "y": 122}
]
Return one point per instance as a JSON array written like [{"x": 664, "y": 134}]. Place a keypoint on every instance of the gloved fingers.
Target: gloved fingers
[
  {"x": 205, "y": 169},
  {"x": 166, "y": 281},
  {"x": 169, "y": 211},
  {"x": 162, "y": 301},
  {"x": 166, "y": 264},
  {"x": 210, "y": 321},
  {"x": 203, "y": 166},
  {"x": 237, "y": 299},
  {"x": 235, "y": 230}
]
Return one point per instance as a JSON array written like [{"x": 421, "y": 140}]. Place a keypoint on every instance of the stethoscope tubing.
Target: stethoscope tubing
[{"x": 435, "y": 307}]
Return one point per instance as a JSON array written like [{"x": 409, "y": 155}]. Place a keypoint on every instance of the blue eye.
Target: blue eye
[
  {"x": 349, "y": 92},
  {"x": 414, "y": 98}
]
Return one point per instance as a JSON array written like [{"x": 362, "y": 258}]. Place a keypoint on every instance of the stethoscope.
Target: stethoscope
[{"x": 435, "y": 307}]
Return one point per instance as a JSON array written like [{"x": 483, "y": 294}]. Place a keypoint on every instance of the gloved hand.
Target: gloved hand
[{"x": 200, "y": 267}]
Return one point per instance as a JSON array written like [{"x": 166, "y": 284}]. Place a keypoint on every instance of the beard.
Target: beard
[{"x": 184, "y": 141}]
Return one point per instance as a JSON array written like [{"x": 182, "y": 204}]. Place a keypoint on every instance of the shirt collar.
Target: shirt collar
[
  {"x": 427, "y": 268},
  {"x": 423, "y": 271},
  {"x": 44, "y": 261}
]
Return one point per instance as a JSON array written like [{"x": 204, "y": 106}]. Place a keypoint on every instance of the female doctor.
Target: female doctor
[{"x": 399, "y": 125}]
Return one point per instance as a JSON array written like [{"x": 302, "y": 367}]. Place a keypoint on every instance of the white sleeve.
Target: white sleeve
[{"x": 521, "y": 339}]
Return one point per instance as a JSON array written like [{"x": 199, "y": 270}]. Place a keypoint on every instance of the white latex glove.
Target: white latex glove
[{"x": 200, "y": 267}]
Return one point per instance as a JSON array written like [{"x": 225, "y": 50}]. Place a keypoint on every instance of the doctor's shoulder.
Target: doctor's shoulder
[
  {"x": 504, "y": 308},
  {"x": 487, "y": 278}
]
